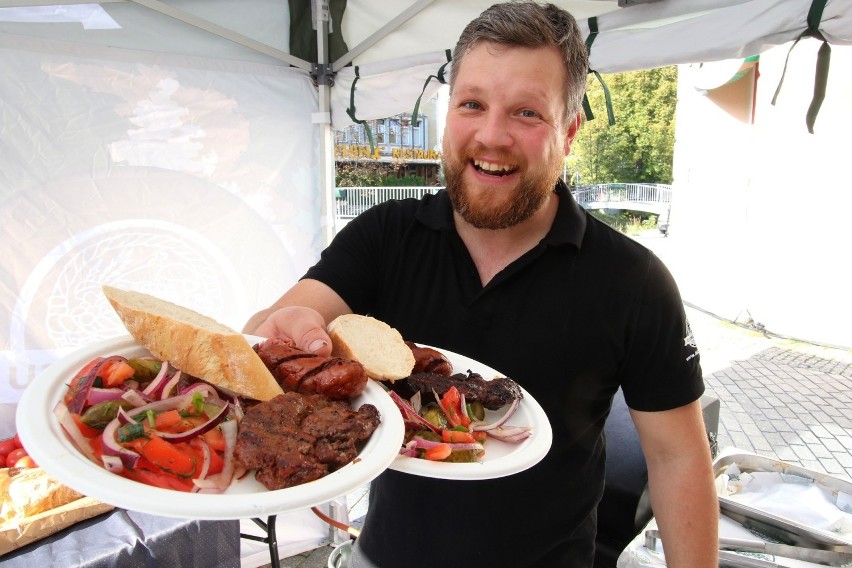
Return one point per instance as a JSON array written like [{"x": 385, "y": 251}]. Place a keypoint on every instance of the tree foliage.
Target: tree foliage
[{"x": 640, "y": 146}]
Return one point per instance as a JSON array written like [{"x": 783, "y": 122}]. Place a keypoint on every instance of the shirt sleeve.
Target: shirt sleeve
[{"x": 661, "y": 369}]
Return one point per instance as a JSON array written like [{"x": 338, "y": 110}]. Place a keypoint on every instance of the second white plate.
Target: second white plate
[{"x": 501, "y": 458}]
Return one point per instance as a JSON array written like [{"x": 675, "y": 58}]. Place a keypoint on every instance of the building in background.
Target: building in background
[{"x": 401, "y": 147}]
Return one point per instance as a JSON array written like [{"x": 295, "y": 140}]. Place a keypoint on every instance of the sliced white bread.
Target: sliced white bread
[
  {"x": 195, "y": 344},
  {"x": 374, "y": 344}
]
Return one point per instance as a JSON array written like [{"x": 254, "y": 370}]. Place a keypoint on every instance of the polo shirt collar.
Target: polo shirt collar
[{"x": 569, "y": 226}]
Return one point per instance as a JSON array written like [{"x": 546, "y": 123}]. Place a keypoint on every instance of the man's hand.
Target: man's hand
[
  {"x": 305, "y": 326},
  {"x": 301, "y": 314}
]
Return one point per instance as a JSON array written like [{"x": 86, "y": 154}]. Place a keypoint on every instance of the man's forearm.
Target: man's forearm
[{"x": 683, "y": 497}]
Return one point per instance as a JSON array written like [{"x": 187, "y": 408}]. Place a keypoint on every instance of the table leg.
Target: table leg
[{"x": 270, "y": 538}]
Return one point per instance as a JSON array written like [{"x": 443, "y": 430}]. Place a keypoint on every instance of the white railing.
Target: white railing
[
  {"x": 350, "y": 201},
  {"x": 621, "y": 192}
]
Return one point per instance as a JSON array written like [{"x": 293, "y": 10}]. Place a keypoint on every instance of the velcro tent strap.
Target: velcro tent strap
[
  {"x": 351, "y": 112},
  {"x": 587, "y": 107},
  {"x": 822, "y": 64},
  {"x": 440, "y": 77}
]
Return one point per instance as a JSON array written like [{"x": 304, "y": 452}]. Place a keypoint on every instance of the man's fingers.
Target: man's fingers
[
  {"x": 304, "y": 326},
  {"x": 315, "y": 340}
]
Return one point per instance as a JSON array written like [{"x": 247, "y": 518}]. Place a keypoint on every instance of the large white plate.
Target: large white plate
[
  {"x": 501, "y": 458},
  {"x": 48, "y": 445}
]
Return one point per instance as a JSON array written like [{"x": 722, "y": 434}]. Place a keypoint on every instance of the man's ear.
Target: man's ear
[{"x": 573, "y": 127}]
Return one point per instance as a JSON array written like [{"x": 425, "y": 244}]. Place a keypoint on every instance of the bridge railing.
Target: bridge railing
[
  {"x": 622, "y": 192},
  {"x": 350, "y": 201}
]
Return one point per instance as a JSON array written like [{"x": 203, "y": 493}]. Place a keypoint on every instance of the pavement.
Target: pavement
[{"x": 783, "y": 399}]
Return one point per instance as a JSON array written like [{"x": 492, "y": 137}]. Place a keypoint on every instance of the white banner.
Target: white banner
[{"x": 191, "y": 179}]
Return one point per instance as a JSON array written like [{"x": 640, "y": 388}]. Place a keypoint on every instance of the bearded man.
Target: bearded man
[{"x": 505, "y": 268}]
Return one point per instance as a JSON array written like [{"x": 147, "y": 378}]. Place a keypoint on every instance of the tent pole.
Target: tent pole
[{"x": 323, "y": 120}]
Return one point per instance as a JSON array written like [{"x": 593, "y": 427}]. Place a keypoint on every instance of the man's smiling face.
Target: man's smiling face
[{"x": 506, "y": 133}]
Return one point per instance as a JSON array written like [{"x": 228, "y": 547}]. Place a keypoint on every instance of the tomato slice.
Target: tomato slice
[
  {"x": 439, "y": 452},
  {"x": 113, "y": 373},
  {"x": 215, "y": 439},
  {"x": 451, "y": 402},
  {"x": 170, "y": 457},
  {"x": 166, "y": 420},
  {"x": 158, "y": 479},
  {"x": 217, "y": 463},
  {"x": 97, "y": 446},
  {"x": 84, "y": 428},
  {"x": 457, "y": 437}
]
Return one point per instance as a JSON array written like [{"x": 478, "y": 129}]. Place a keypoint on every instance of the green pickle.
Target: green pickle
[
  {"x": 144, "y": 369},
  {"x": 462, "y": 456},
  {"x": 100, "y": 414},
  {"x": 434, "y": 416},
  {"x": 475, "y": 410}
]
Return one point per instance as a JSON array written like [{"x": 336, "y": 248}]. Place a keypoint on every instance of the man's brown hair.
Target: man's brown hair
[{"x": 530, "y": 24}]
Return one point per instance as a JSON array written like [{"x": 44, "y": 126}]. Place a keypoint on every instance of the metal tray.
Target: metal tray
[{"x": 786, "y": 530}]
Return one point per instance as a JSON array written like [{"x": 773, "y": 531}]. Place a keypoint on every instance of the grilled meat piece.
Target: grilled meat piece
[
  {"x": 491, "y": 394},
  {"x": 308, "y": 373},
  {"x": 295, "y": 438},
  {"x": 428, "y": 360}
]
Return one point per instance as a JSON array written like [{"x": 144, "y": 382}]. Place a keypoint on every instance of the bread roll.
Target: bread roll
[
  {"x": 374, "y": 344},
  {"x": 195, "y": 344},
  {"x": 29, "y": 492}
]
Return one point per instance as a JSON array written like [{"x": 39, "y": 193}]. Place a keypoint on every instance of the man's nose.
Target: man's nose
[{"x": 494, "y": 130}]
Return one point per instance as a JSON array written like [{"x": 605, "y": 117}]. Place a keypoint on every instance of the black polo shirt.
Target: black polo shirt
[{"x": 585, "y": 311}]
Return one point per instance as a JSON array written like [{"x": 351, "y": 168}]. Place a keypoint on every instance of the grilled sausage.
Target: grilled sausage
[
  {"x": 308, "y": 373},
  {"x": 427, "y": 360}
]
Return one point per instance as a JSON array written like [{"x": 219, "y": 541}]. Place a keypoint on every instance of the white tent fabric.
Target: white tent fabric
[
  {"x": 178, "y": 146},
  {"x": 190, "y": 178}
]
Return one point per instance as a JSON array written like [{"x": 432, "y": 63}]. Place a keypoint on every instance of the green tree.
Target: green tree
[{"x": 640, "y": 146}]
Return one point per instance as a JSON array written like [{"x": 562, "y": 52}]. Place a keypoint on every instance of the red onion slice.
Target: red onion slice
[
  {"x": 112, "y": 448},
  {"x": 81, "y": 390},
  {"x": 206, "y": 452},
  {"x": 112, "y": 463},
  {"x": 484, "y": 426},
  {"x": 157, "y": 384},
  {"x": 97, "y": 395},
  {"x": 409, "y": 416},
  {"x": 511, "y": 434},
  {"x": 219, "y": 482},
  {"x": 170, "y": 386},
  {"x": 425, "y": 444},
  {"x": 67, "y": 422},
  {"x": 135, "y": 397},
  {"x": 198, "y": 430},
  {"x": 205, "y": 389}
]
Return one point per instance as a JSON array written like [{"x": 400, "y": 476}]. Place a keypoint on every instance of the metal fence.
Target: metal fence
[
  {"x": 350, "y": 201},
  {"x": 635, "y": 192}
]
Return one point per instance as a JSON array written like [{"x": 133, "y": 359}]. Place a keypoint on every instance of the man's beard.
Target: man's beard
[{"x": 528, "y": 197}]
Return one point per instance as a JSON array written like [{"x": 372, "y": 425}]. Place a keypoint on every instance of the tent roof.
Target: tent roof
[{"x": 397, "y": 45}]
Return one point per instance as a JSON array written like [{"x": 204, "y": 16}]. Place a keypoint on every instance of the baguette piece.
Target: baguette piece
[
  {"x": 195, "y": 344},
  {"x": 374, "y": 344}
]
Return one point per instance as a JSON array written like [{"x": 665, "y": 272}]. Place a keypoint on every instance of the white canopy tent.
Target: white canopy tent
[{"x": 184, "y": 147}]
